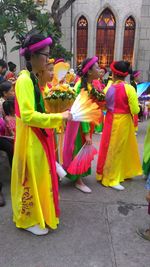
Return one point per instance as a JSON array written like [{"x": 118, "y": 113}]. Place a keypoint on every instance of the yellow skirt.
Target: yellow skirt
[
  {"x": 122, "y": 156},
  {"x": 31, "y": 182}
]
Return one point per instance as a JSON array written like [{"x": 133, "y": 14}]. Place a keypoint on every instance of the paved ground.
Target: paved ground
[{"x": 96, "y": 230}]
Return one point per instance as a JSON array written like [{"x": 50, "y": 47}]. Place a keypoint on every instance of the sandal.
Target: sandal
[{"x": 145, "y": 234}]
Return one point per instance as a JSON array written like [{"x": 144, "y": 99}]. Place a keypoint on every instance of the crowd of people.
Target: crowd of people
[{"x": 27, "y": 133}]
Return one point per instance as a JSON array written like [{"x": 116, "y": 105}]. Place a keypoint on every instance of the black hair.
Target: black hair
[
  {"x": 132, "y": 80},
  {"x": 3, "y": 63},
  {"x": 83, "y": 76},
  {"x": 123, "y": 66},
  {"x": 109, "y": 78},
  {"x": 11, "y": 66},
  {"x": 30, "y": 40},
  {"x": 5, "y": 86},
  {"x": 9, "y": 105}
]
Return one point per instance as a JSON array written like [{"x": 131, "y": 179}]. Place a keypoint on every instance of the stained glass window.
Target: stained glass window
[
  {"x": 82, "y": 39},
  {"x": 129, "y": 35},
  {"x": 105, "y": 38}
]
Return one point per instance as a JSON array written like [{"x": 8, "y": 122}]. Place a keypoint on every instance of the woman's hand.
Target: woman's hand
[
  {"x": 148, "y": 197},
  {"x": 67, "y": 115},
  {"x": 88, "y": 139}
]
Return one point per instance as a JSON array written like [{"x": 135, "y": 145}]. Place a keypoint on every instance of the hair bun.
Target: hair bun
[
  {"x": 127, "y": 63},
  {"x": 26, "y": 41}
]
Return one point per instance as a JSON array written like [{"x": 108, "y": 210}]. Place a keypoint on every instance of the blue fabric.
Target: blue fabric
[
  {"x": 147, "y": 186},
  {"x": 2, "y": 79}
]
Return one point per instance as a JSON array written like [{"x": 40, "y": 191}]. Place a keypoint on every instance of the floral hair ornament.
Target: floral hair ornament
[
  {"x": 118, "y": 72},
  {"x": 136, "y": 73},
  {"x": 103, "y": 68},
  {"x": 51, "y": 61},
  {"x": 58, "y": 60},
  {"x": 89, "y": 64},
  {"x": 37, "y": 46}
]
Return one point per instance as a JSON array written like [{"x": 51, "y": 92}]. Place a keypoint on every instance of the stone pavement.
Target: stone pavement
[{"x": 96, "y": 230}]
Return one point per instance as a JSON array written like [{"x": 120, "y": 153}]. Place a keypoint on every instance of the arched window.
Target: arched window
[
  {"x": 129, "y": 35},
  {"x": 105, "y": 38},
  {"x": 82, "y": 39}
]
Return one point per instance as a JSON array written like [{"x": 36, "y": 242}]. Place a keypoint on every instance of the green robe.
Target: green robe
[{"x": 146, "y": 155}]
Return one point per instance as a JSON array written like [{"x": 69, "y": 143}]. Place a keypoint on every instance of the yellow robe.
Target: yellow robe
[
  {"x": 31, "y": 181},
  {"x": 118, "y": 155}
]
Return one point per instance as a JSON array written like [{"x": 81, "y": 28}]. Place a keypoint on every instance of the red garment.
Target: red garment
[
  {"x": 135, "y": 120},
  {"x": 10, "y": 75},
  {"x": 116, "y": 103},
  {"x": 10, "y": 122}
]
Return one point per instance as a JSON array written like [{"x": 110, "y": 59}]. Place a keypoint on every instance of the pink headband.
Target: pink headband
[
  {"x": 37, "y": 46},
  {"x": 137, "y": 73},
  {"x": 89, "y": 64},
  {"x": 59, "y": 60}
]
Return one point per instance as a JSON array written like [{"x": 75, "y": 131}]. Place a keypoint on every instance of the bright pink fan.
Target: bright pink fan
[{"x": 82, "y": 161}]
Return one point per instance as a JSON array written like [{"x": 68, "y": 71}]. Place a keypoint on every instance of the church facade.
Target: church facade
[{"x": 110, "y": 29}]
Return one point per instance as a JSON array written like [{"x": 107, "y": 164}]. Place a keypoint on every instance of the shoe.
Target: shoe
[
  {"x": 83, "y": 188},
  {"x": 36, "y": 230},
  {"x": 118, "y": 187},
  {"x": 145, "y": 234},
  {"x": 2, "y": 200}
]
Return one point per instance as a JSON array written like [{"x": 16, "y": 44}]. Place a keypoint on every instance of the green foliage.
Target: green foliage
[
  {"x": 58, "y": 51},
  {"x": 58, "y": 94},
  {"x": 21, "y": 16}
]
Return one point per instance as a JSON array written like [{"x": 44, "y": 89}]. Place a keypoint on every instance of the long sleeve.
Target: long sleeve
[
  {"x": 26, "y": 101},
  {"x": 85, "y": 127},
  {"x": 132, "y": 99}
]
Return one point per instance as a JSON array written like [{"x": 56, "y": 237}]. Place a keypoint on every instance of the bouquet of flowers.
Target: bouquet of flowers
[
  {"x": 98, "y": 97},
  {"x": 60, "y": 97}
]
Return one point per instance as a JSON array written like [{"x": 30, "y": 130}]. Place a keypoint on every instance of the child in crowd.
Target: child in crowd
[
  {"x": 10, "y": 119},
  {"x": 6, "y": 90}
]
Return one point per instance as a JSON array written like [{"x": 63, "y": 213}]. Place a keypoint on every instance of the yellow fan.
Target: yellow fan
[
  {"x": 60, "y": 71},
  {"x": 83, "y": 109}
]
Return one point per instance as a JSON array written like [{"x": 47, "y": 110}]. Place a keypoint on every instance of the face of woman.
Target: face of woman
[
  {"x": 102, "y": 73},
  {"x": 40, "y": 58},
  {"x": 9, "y": 93},
  {"x": 47, "y": 74},
  {"x": 95, "y": 71},
  {"x": 50, "y": 68},
  {"x": 137, "y": 79}
]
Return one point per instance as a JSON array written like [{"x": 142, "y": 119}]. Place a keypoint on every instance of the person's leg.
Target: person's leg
[
  {"x": 6, "y": 145},
  {"x": 2, "y": 200}
]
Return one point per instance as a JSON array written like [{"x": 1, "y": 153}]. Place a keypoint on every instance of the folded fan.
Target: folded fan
[
  {"x": 82, "y": 161},
  {"x": 60, "y": 71},
  {"x": 83, "y": 109}
]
